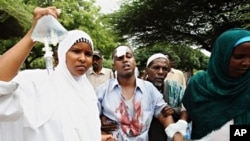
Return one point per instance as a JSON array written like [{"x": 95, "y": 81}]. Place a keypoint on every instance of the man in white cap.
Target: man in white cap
[{"x": 157, "y": 68}]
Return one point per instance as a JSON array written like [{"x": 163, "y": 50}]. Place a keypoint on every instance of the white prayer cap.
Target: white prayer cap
[{"x": 155, "y": 56}]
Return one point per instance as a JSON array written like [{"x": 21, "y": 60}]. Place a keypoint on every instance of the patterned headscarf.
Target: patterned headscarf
[
  {"x": 212, "y": 98},
  {"x": 73, "y": 37}
]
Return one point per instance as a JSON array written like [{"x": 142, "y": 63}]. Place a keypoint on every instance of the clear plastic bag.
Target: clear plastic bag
[
  {"x": 48, "y": 31},
  {"x": 48, "y": 28}
]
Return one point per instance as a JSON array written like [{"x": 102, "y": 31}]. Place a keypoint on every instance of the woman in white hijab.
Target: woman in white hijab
[{"x": 60, "y": 106}]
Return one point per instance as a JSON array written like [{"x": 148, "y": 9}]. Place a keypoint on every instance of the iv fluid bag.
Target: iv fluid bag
[{"x": 48, "y": 28}]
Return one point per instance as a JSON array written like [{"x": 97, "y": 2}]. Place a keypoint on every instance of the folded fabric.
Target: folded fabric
[{"x": 180, "y": 126}]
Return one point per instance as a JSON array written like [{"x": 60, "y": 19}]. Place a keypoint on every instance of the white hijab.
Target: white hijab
[
  {"x": 59, "y": 90},
  {"x": 77, "y": 91}
]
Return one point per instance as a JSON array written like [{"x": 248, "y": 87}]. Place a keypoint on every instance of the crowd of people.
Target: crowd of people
[{"x": 82, "y": 100}]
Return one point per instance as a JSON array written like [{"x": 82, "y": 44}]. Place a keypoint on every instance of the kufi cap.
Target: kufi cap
[{"x": 155, "y": 56}]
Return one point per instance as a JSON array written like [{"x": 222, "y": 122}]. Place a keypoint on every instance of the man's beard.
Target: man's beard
[{"x": 158, "y": 84}]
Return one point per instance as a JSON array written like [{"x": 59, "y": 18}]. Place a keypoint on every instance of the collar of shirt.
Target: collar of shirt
[
  {"x": 140, "y": 86},
  {"x": 91, "y": 71}
]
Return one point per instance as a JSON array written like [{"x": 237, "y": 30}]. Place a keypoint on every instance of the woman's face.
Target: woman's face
[
  {"x": 79, "y": 58},
  {"x": 239, "y": 62}
]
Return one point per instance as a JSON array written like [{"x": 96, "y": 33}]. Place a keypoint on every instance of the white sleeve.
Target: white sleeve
[{"x": 10, "y": 108}]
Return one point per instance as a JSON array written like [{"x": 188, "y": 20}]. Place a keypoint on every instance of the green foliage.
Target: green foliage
[
  {"x": 39, "y": 63},
  {"x": 107, "y": 63},
  {"x": 15, "y": 18},
  {"x": 186, "y": 58},
  {"x": 187, "y": 22},
  {"x": 82, "y": 15}
]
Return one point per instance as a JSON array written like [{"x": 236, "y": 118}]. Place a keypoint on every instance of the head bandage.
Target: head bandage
[{"x": 121, "y": 50}]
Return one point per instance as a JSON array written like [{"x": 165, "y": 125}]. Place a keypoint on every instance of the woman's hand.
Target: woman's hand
[{"x": 39, "y": 12}]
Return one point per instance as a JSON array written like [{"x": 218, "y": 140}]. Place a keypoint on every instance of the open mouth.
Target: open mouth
[{"x": 126, "y": 67}]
